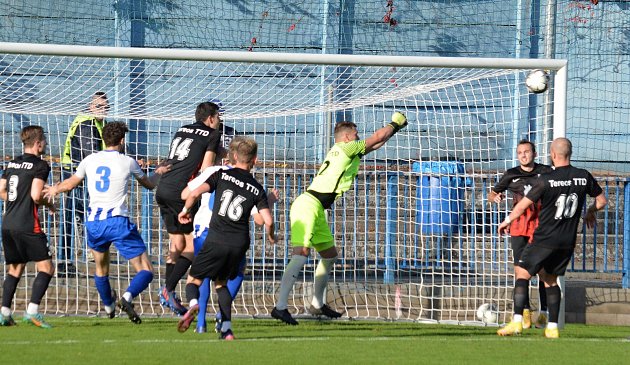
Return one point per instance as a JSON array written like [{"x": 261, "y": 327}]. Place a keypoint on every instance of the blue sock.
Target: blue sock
[
  {"x": 234, "y": 285},
  {"x": 140, "y": 282},
  {"x": 104, "y": 289},
  {"x": 204, "y": 296}
]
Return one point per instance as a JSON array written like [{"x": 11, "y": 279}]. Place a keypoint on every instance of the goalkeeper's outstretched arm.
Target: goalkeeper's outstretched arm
[{"x": 378, "y": 139}]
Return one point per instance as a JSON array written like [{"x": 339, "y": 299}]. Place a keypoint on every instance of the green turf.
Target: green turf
[{"x": 76, "y": 340}]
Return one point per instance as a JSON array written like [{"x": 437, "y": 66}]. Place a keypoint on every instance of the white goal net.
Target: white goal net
[{"x": 416, "y": 235}]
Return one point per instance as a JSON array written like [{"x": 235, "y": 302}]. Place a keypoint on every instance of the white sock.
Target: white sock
[
  {"x": 289, "y": 278},
  {"x": 192, "y": 303},
  {"x": 552, "y": 325},
  {"x": 226, "y": 325},
  {"x": 517, "y": 318},
  {"x": 322, "y": 273},
  {"x": 128, "y": 297},
  {"x": 32, "y": 308},
  {"x": 6, "y": 311},
  {"x": 109, "y": 308}
]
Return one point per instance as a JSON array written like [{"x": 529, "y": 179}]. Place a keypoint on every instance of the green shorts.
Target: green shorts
[{"x": 309, "y": 227}]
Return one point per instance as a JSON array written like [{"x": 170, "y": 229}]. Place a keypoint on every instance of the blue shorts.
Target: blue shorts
[
  {"x": 199, "y": 238},
  {"x": 119, "y": 231}
]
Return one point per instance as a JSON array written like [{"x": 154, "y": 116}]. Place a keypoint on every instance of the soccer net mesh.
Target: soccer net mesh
[{"x": 416, "y": 235}]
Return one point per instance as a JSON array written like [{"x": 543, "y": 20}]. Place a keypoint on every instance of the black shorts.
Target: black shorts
[
  {"x": 217, "y": 261},
  {"x": 169, "y": 211},
  {"x": 518, "y": 245},
  {"x": 553, "y": 260},
  {"x": 21, "y": 247}
]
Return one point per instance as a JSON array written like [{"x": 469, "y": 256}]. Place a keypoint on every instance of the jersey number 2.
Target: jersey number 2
[{"x": 566, "y": 206}]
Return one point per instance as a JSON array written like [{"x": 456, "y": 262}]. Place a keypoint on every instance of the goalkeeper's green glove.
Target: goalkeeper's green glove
[{"x": 399, "y": 121}]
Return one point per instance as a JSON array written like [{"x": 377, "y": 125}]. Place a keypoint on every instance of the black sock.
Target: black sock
[
  {"x": 40, "y": 285},
  {"x": 553, "y": 302},
  {"x": 225, "y": 303},
  {"x": 192, "y": 292},
  {"x": 169, "y": 271},
  {"x": 179, "y": 270},
  {"x": 8, "y": 290},
  {"x": 521, "y": 287},
  {"x": 542, "y": 293}
]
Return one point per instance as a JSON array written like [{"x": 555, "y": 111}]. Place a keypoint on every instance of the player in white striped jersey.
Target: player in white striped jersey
[{"x": 108, "y": 173}]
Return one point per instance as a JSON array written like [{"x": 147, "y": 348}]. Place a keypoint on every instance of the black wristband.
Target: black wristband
[{"x": 395, "y": 126}]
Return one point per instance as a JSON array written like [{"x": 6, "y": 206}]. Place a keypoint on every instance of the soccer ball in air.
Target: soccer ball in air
[
  {"x": 537, "y": 81},
  {"x": 488, "y": 313}
]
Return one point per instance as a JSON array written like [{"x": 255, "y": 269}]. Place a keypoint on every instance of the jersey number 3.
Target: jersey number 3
[{"x": 102, "y": 184}]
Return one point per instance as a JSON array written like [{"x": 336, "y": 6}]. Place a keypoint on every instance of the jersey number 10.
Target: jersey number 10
[{"x": 566, "y": 206}]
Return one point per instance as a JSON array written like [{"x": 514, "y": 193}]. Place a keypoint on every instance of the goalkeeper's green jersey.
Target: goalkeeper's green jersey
[{"x": 337, "y": 172}]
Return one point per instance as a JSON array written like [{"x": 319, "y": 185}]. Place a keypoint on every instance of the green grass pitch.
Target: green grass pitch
[{"x": 82, "y": 340}]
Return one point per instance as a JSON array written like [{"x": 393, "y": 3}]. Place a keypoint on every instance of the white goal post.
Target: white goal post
[{"x": 416, "y": 236}]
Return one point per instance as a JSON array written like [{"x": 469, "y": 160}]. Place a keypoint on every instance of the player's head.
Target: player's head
[
  {"x": 244, "y": 150},
  {"x": 526, "y": 153},
  {"x": 208, "y": 114},
  {"x": 99, "y": 105},
  {"x": 561, "y": 151},
  {"x": 33, "y": 136},
  {"x": 346, "y": 132},
  {"x": 114, "y": 133}
]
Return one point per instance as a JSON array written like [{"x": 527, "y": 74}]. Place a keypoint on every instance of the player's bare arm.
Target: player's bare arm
[
  {"x": 269, "y": 224},
  {"x": 37, "y": 193},
  {"x": 3, "y": 189},
  {"x": 378, "y": 139},
  {"x": 184, "y": 216},
  {"x": 62, "y": 187},
  {"x": 495, "y": 197},
  {"x": 150, "y": 182},
  {"x": 599, "y": 203},
  {"x": 518, "y": 211}
]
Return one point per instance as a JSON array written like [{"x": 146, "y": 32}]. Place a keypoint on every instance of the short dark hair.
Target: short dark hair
[
  {"x": 526, "y": 141},
  {"x": 31, "y": 134},
  {"x": 205, "y": 110},
  {"x": 113, "y": 133},
  {"x": 343, "y": 127}
]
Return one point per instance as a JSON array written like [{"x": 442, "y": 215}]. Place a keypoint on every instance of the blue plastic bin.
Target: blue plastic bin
[{"x": 440, "y": 196}]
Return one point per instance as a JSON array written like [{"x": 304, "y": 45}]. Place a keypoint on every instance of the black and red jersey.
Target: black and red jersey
[
  {"x": 519, "y": 182},
  {"x": 562, "y": 194},
  {"x": 185, "y": 156},
  {"x": 21, "y": 213}
]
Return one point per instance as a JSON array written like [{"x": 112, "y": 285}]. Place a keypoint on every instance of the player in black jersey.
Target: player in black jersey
[
  {"x": 193, "y": 148},
  {"x": 21, "y": 187},
  {"x": 562, "y": 194},
  {"x": 236, "y": 193},
  {"x": 519, "y": 180}
]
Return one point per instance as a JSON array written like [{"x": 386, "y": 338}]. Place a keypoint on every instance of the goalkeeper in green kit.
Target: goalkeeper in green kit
[{"x": 309, "y": 227}]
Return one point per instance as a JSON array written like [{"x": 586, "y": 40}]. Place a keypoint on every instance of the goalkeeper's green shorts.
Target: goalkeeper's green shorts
[{"x": 309, "y": 227}]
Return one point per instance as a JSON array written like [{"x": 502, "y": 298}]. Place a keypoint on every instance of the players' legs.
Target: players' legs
[
  {"x": 233, "y": 286},
  {"x": 555, "y": 265},
  {"x": 45, "y": 271},
  {"x": 322, "y": 273},
  {"x": 192, "y": 294},
  {"x": 225, "y": 307},
  {"x": 291, "y": 274},
  {"x": 143, "y": 277},
  {"x": 181, "y": 253},
  {"x": 101, "y": 280},
  {"x": 14, "y": 273}
]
